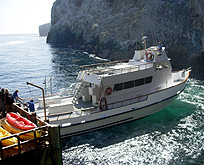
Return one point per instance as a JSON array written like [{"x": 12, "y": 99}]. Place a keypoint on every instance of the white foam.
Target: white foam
[
  {"x": 98, "y": 58},
  {"x": 14, "y": 43}
]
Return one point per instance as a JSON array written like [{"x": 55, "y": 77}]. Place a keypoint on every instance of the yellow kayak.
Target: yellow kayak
[
  {"x": 14, "y": 130},
  {"x": 7, "y": 142}
]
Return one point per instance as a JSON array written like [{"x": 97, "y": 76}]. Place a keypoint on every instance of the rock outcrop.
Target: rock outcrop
[
  {"x": 112, "y": 28},
  {"x": 44, "y": 29}
]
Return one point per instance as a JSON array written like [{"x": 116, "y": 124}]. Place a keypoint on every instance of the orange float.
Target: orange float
[{"x": 19, "y": 121}]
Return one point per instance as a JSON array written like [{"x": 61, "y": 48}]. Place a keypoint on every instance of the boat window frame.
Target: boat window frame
[
  {"x": 129, "y": 84},
  {"x": 139, "y": 82},
  {"x": 118, "y": 87},
  {"x": 136, "y": 83},
  {"x": 148, "y": 79}
]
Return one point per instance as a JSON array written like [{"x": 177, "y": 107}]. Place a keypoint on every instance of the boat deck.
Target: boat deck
[
  {"x": 119, "y": 68},
  {"x": 79, "y": 109}
]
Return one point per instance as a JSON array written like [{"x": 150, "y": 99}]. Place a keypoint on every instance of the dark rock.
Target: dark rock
[
  {"x": 111, "y": 28},
  {"x": 44, "y": 29}
]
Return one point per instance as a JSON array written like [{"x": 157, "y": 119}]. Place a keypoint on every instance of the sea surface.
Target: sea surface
[{"x": 174, "y": 135}]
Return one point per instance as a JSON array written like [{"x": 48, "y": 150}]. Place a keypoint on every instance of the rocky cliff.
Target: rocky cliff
[
  {"x": 113, "y": 28},
  {"x": 44, "y": 29}
]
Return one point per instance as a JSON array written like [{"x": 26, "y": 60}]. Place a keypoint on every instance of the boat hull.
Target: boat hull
[
  {"x": 13, "y": 130},
  {"x": 152, "y": 103},
  {"x": 130, "y": 115}
]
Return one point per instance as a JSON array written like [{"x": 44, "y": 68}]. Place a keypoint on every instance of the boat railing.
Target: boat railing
[
  {"x": 126, "y": 102},
  {"x": 105, "y": 64},
  {"x": 99, "y": 70},
  {"x": 97, "y": 109}
]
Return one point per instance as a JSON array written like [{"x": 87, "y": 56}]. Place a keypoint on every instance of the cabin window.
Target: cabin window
[
  {"x": 118, "y": 87},
  {"x": 148, "y": 80},
  {"x": 129, "y": 84},
  {"x": 139, "y": 82}
]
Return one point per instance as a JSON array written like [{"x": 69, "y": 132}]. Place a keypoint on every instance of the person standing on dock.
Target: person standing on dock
[
  {"x": 31, "y": 106},
  {"x": 15, "y": 96},
  {"x": 8, "y": 101},
  {"x": 2, "y": 101}
]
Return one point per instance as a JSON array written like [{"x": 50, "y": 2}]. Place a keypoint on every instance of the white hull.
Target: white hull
[{"x": 120, "y": 115}]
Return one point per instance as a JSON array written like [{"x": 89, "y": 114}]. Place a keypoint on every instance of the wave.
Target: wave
[
  {"x": 98, "y": 58},
  {"x": 193, "y": 93},
  {"x": 14, "y": 43}
]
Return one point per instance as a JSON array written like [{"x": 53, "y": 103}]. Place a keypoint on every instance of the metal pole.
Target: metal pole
[
  {"x": 45, "y": 86},
  {"x": 43, "y": 97},
  {"x": 51, "y": 86}
]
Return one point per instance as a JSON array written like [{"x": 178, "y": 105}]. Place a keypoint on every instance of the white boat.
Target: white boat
[{"x": 113, "y": 93}]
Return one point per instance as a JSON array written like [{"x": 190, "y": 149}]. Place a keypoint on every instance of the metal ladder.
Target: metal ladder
[{"x": 78, "y": 89}]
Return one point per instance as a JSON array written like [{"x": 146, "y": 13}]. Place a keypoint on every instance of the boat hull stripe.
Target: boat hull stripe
[{"x": 97, "y": 128}]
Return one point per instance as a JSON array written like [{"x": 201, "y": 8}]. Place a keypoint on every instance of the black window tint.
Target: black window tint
[
  {"x": 148, "y": 80},
  {"x": 128, "y": 84},
  {"x": 118, "y": 87},
  {"x": 139, "y": 82}
]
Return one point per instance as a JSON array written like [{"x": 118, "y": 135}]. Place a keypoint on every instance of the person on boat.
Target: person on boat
[
  {"x": 15, "y": 96},
  {"x": 160, "y": 46},
  {"x": 2, "y": 101},
  {"x": 31, "y": 106},
  {"x": 8, "y": 101}
]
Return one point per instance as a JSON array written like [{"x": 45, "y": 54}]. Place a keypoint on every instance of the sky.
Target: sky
[{"x": 24, "y": 16}]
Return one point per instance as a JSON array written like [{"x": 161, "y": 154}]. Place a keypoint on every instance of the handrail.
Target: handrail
[
  {"x": 103, "y": 63},
  {"x": 112, "y": 71},
  {"x": 19, "y": 142},
  {"x": 96, "y": 107}
]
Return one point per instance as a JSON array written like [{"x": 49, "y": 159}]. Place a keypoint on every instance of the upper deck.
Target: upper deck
[
  {"x": 97, "y": 71},
  {"x": 143, "y": 59}
]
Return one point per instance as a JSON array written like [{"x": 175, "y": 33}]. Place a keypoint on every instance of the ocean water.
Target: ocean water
[{"x": 174, "y": 135}]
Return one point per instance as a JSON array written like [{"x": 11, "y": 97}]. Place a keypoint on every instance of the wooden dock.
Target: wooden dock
[{"x": 43, "y": 150}]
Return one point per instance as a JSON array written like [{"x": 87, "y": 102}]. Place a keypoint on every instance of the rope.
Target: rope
[
  {"x": 47, "y": 95},
  {"x": 30, "y": 92}
]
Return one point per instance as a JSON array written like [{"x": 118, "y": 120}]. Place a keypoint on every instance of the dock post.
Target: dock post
[{"x": 53, "y": 154}]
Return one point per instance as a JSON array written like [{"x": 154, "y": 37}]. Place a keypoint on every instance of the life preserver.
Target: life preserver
[
  {"x": 149, "y": 56},
  {"x": 108, "y": 91},
  {"x": 103, "y": 104}
]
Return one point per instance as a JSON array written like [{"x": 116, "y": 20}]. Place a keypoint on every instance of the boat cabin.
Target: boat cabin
[{"x": 106, "y": 83}]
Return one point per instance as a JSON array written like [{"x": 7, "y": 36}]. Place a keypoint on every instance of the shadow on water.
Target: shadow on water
[{"x": 163, "y": 122}]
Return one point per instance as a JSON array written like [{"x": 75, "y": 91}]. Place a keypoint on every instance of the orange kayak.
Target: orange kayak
[{"x": 19, "y": 121}]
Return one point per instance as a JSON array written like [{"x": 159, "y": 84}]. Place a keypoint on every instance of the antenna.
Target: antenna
[
  {"x": 136, "y": 43},
  {"x": 144, "y": 41}
]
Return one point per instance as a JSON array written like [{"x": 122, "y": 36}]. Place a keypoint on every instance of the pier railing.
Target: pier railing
[
  {"x": 24, "y": 145},
  {"x": 49, "y": 137}
]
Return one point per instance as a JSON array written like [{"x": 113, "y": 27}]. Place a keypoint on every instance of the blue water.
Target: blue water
[{"x": 172, "y": 136}]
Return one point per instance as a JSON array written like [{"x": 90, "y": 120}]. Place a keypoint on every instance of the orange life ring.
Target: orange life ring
[
  {"x": 149, "y": 56},
  {"x": 108, "y": 91}
]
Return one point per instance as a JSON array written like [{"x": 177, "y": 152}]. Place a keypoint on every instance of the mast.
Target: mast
[{"x": 144, "y": 41}]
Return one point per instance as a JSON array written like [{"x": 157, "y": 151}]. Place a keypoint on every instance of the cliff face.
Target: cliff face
[
  {"x": 44, "y": 29},
  {"x": 111, "y": 28}
]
